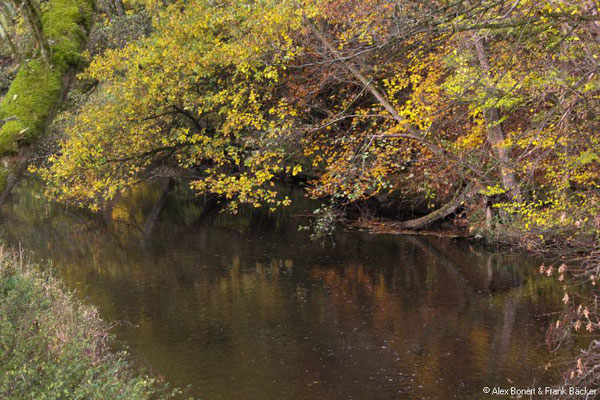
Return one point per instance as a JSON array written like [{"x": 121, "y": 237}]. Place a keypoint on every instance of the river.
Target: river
[{"x": 248, "y": 307}]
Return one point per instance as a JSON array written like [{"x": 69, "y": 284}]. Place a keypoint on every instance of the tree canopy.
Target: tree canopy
[{"x": 444, "y": 104}]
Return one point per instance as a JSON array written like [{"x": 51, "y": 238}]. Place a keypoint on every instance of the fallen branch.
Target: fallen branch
[{"x": 440, "y": 213}]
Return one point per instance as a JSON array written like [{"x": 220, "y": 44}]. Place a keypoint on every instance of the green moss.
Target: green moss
[
  {"x": 9, "y": 135},
  {"x": 30, "y": 98},
  {"x": 37, "y": 88},
  {"x": 66, "y": 24}
]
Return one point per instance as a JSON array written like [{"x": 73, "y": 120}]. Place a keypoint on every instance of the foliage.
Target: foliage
[
  {"x": 411, "y": 100},
  {"x": 327, "y": 217},
  {"x": 219, "y": 122},
  {"x": 117, "y": 32},
  {"x": 580, "y": 319},
  {"x": 52, "y": 347}
]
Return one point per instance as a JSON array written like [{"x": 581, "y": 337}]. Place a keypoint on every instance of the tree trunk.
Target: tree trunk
[
  {"x": 412, "y": 132},
  {"x": 33, "y": 17},
  {"x": 120, "y": 8},
  {"x": 495, "y": 135},
  {"x": 13, "y": 48},
  {"x": 440, "y": 213},
  {"x": 16, "y": 165},
  {"x": 489, "y": 213},
  {"x": 355, "y": 71}
]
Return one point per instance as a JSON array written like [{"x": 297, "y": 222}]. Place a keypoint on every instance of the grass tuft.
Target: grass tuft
[{"x": 53, "y": 347}]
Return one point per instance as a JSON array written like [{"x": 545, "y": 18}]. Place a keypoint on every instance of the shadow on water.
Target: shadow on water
[{"x": 247, "y": 307}]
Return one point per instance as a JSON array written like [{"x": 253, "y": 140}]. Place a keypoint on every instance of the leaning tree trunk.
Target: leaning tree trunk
[
  {"x": 13, "y": 48},
  {"x": 412, "y": 134},
  {"x": 440, "y": 213},
  {"x": 41, "y": 83},
  {"x": 367, "y": 83},
  {"x": 32, "y": 13},
  {"x": 495, "y": 134},
  {"x": 120, "y": 8}
]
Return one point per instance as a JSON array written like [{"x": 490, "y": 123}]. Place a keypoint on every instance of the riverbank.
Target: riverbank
[
  {"x": 52, "y": 346},
  {"x": 563, "y": 244}
]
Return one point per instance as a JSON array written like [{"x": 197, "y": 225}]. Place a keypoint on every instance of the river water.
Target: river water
[{"x": 248, "y": 307}]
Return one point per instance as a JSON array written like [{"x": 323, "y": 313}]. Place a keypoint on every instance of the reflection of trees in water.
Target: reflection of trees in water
[
  {"x": 249, "y": 296},
  {"x": 447, "y": 331}
]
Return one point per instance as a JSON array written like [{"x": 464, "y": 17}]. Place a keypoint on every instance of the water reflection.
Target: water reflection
[{"x": 246, "y": 307}]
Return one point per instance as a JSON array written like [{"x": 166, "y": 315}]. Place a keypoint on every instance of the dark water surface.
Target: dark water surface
[{"x": 247, "y": 307}]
